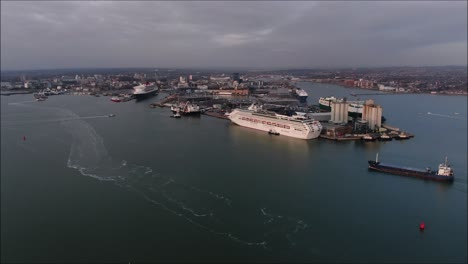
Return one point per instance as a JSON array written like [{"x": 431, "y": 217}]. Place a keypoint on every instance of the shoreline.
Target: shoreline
[{"x": 386, "y": 93}]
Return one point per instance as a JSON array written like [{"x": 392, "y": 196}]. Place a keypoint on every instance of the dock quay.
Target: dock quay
[
  {"x": 195, "y": 98},
  {"x": 341, "y": 138},
  {"x": 13, "y": 93},
  {"x": 164, "y": 101},
  {"x": 375, "y": 137},
  {"x": 217, "y": 114},
  {"x": 341, "y": 119},
  {"x": 390, "y": 127},
  {"x": 341, "y": 132}
]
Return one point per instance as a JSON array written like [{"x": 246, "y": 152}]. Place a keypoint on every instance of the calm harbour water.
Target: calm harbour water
[{"x": 145, "y": 187}]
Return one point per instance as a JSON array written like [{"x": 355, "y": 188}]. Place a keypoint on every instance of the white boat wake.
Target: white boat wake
[
  {"x": 446, "y": 116},
  {"x": 55, "y": 120}
]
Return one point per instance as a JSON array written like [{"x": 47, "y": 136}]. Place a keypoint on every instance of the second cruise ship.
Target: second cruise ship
[{"x": 144, "y": 90}]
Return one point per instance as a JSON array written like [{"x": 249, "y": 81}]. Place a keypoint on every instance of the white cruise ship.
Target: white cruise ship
[
  {"x": 296, "y": 126},
  {"x": 145, "y": 90},
  {"x": 301, "y": 95}
]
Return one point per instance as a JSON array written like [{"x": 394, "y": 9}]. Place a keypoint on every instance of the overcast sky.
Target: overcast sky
[{"x": 42, "y": 35}]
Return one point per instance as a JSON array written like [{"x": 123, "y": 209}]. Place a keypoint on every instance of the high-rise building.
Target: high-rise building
[{"x": 236, "y": 77}]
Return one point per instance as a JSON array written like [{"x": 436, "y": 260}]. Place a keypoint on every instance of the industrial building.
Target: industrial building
[
  {"x": 339, "y": 112},
  {"x": 372, "y": 113}
]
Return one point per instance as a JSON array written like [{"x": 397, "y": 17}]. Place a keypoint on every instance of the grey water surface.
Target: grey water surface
[{"x": 141, "y": 186}]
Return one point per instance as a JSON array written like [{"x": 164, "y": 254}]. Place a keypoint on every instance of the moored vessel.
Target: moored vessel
[
  {"x": 384, "y": 137},
  {"x": 402, "y": 136},
  {"x": 444, "y": 173},
  {"x": 298, "y": 125},
  {"x": 273, "y": 132},
  {"x": 186, "y": 108},
  {"x": 176, "y": 114},
  {"x": 301, "y": 95},
  {"x": 143, "y": 91},
  {"x": 115, "y": 99},
  {"x": 40, "y": 95},
  {"x": 367, "y": 137}
]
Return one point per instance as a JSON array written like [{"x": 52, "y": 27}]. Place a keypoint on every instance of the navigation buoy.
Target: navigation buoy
[
  {"x": 422, "y": 226},
  {"x": 24, "y": 138}
]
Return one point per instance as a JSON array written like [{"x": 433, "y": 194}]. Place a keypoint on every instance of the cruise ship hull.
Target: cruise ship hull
[
  {"x": 142, "y": 96},
  {"x": 188, "y": 113},
  {"x": 301, "y": 130},
  {"x": 325, "y": 107},
  {"x": 302, "y": 99},
  {"x": 301, "y": 95}
]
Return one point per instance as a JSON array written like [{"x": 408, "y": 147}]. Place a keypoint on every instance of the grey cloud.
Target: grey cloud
[{"x": 237, "y": 34}]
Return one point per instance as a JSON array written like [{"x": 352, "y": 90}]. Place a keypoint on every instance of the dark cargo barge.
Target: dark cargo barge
[{"x": 445, "y": 172}]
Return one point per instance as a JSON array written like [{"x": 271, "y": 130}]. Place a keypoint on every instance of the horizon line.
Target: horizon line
[{"x": 237, "y": 68}]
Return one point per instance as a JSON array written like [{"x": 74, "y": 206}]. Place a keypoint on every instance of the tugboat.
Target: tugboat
[
  {"x": 40, "y": 95},
  {"x": 402, "y": 136},
  {"x": 176, "y": 115},
  {"x": 175, "y": 108},
  {"x": 273, "y": 132},
  {"x": 367, "y": 137},
  {"x": 385, "y": 137},
  {"x": 445, "y": 172}
]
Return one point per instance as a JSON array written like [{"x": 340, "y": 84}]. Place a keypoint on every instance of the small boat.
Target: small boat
[
  {"x": 40, "y": 95},
  {"x": 111, "y": 115},
  {"x": 115, "y": 99},
  {"x": 384, "y": 137},
  {"x": 402, "y": 136},
  {"x": 175, "y": 108},
  {"x": 444, "y": 173},
  {"x": 367, "y": 138},
  {"x": 176, "y": 115},
  {"x": 272, "y": 132},
  {"x": 40, "y": 99}
]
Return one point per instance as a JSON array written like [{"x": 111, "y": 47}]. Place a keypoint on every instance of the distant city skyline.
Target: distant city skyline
[{"x": 236, "y": 35}]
